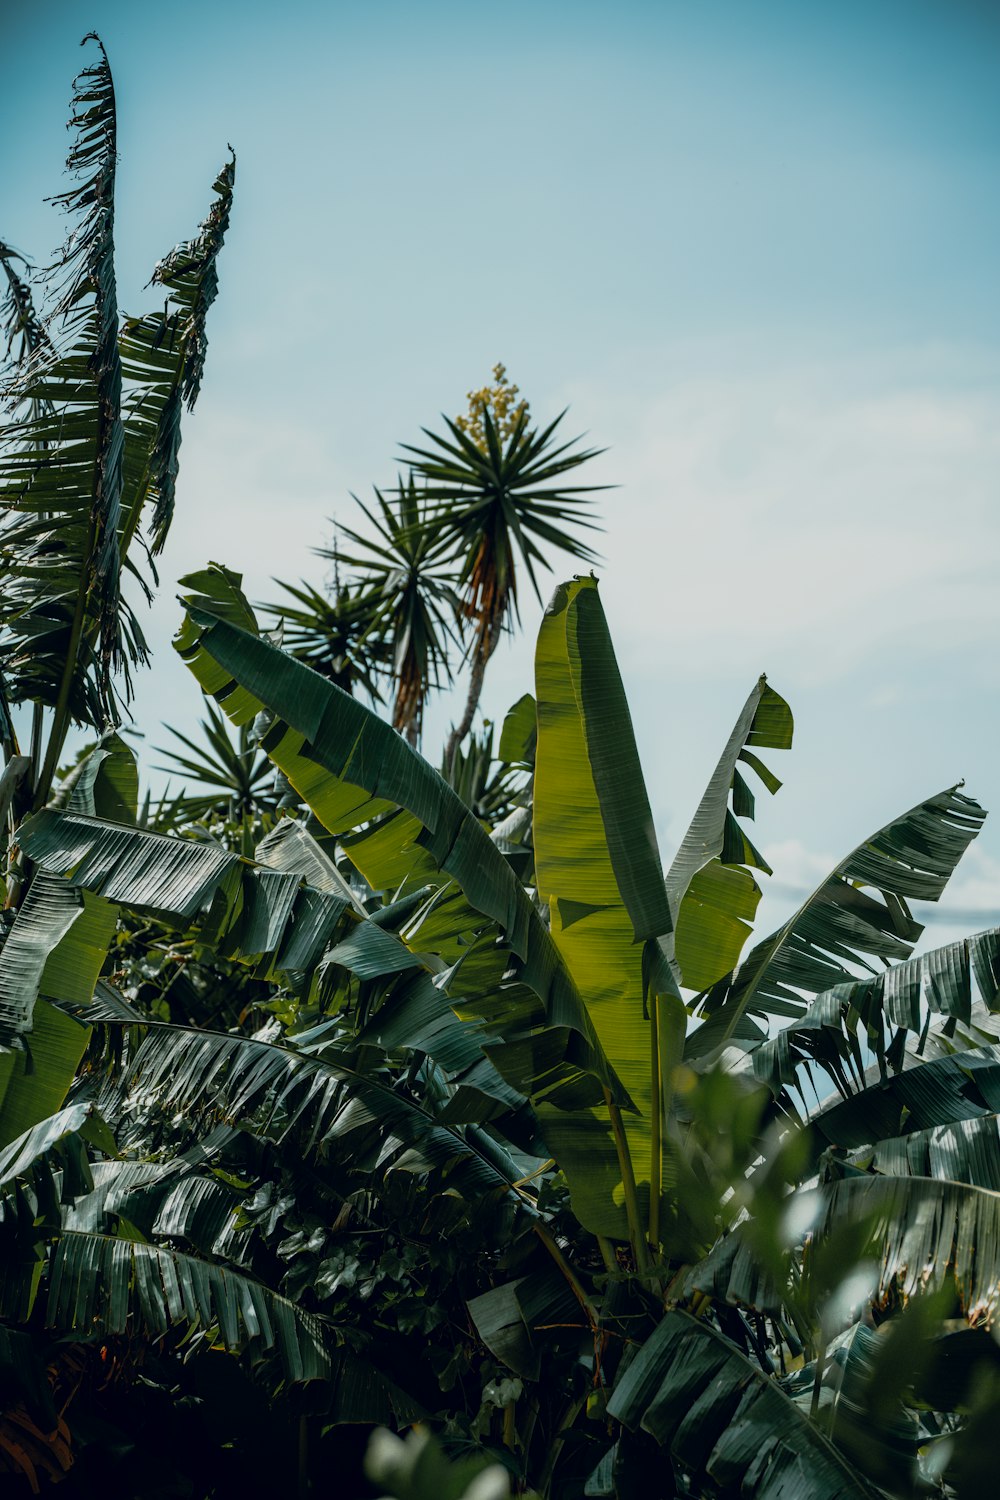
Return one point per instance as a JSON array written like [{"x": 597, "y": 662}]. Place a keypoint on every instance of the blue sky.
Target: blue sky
[{"x": 752, "y": 245}]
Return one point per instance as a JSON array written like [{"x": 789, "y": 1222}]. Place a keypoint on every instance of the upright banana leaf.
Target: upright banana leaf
[
  {"x": 164, "y": 353},
  {"x": 61, "y": 472},
  {"x": 598, "y": 868},
  {"x": 859, "y": 913},
  {"x": 618, "y": 924},
  {"x": 350, "y": 768},
  {"x": 713, "y": 894}
]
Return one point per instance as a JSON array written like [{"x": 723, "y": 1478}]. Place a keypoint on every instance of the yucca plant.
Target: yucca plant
[{"x": 493, "y": 489}]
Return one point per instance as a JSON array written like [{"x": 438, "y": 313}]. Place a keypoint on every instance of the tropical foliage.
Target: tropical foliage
[{"x": 342, "y": 1092}]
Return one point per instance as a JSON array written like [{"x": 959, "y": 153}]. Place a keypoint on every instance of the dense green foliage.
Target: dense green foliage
[{"x": 337, "y": 1091}]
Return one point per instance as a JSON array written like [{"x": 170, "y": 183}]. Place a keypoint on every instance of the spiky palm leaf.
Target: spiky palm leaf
[
  {"x": 333, "y": 633},
  {"x": 498, "y": 504},
  {"x": 404, "y": 568},
  {"x": 238, "y": 778}
]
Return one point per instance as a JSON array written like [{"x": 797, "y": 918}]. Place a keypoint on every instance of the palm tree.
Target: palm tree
[
  {"x": 404, "y": 573},
  {"x": 332, "y": 633}
]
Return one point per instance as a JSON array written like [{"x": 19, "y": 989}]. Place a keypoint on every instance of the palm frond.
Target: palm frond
[
  {"x": 404, "y": 570},
  {"x": 333, "y": 634}
]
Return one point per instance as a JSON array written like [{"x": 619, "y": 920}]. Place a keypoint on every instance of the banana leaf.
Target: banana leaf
[
  {"x": 833, "y": 1032},
  {"x": 859, "y": 913},
  {"x": 598, "y": 869},
  {"x": 729, "y": 1427},
  {"x": 349, "y": 767},
  {"x": 712, "y": 892}
]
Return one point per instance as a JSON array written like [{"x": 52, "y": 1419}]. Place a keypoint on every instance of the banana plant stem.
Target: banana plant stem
[
  {"x": 640, "y": 1249},
  {"x": 548, "y": 1240},
  {"x": 655, "y": 1116}
]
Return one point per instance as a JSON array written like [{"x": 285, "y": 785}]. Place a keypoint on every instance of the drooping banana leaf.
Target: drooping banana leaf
[
  {"x": 710, "y": 885},
  {"x": 350, "y": 767},
  {"x": 99, "y": 1283},
  {"x": 938, "y": 1092},
  {"x": 833, "y": 1030},
  {"x": 729, "y": 1427},
  {"x": 929, "y": 1233},
  {"x": 859, "y": 913},
  {"x": 45, "y": 1144},
  {"x": 290, "y": 846},
  {"x": 922, "y": 1233},
  {"x": 245, "y": 912},
  {"x": 329, "y": 1104},
  {"x": 879, "y": 1434},
  {"x": 965, "y": 1151},
  {"x": 164, "y": 353}
]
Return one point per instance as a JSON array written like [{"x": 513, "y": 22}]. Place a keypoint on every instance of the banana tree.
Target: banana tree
[
  {"x": 89, "y": 457},
  {"x": 92, "y": 449},
  {"x": 604, "y": 988}
]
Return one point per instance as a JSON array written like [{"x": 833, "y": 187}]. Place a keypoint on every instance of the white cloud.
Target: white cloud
[{"x": 812, "y": 514}]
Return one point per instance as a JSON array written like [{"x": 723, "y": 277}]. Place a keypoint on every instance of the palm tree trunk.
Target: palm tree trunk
[{"x": 461, "y": 729}]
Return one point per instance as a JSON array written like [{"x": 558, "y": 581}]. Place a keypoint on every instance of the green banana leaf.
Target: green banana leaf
[
  {"x": 860, "y": 912},
  {"x": 921, "y": 1233},
  {"x": 328, "y": 1104},
  {"x": 965, "y": 1151},
  {"x": 54, "y": 952},
  {"x": 244, "y": 911},
  {"x": 349, "y": 767},
  {"x": 832, "y": 1033},
  {"x": 102, "y": 1283},
  {"x": 712, "y": 892},
  {"x": 937, "y": 1092},
  {"x": 728, "y": 1426},
  {"x": 598, "y": 868}
]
